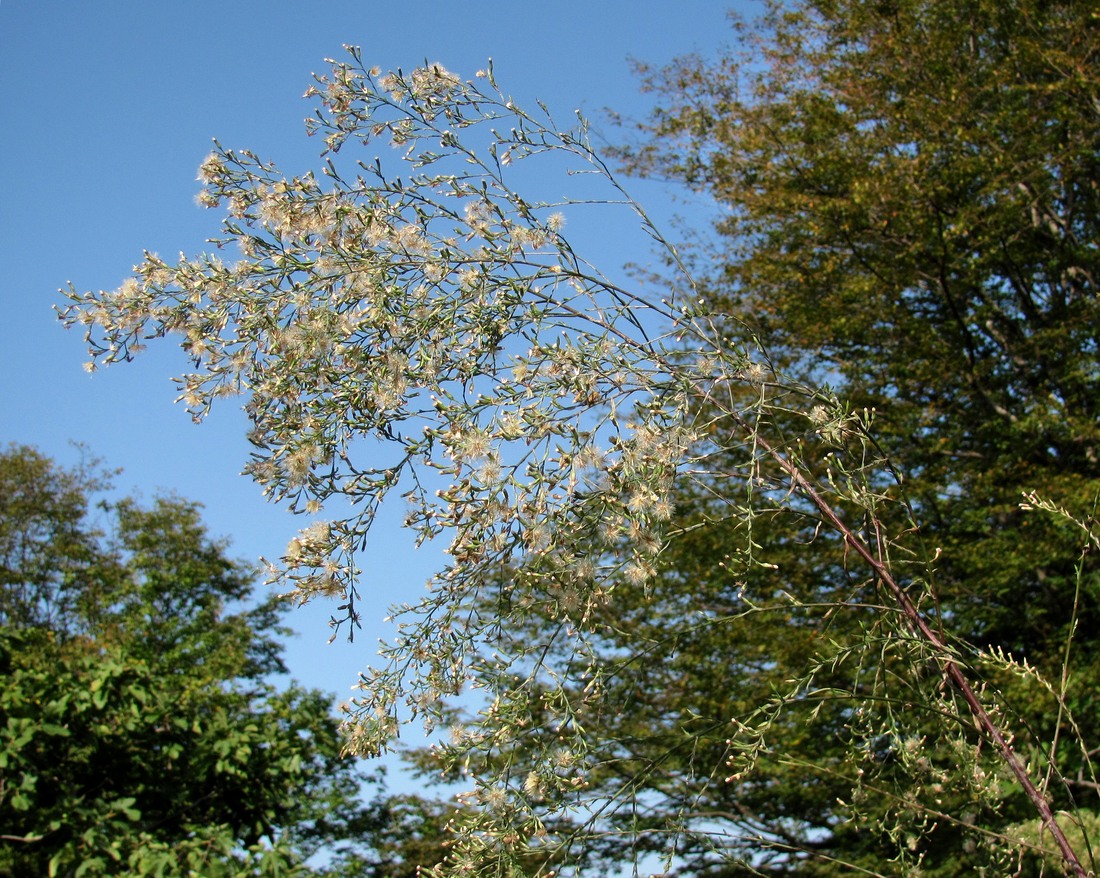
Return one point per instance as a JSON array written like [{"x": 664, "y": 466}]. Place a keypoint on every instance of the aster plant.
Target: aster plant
[{"x": 430, "y": 337}]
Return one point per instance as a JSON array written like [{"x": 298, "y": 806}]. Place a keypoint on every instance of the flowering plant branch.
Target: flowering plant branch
[{"x": 436, "y": 336}]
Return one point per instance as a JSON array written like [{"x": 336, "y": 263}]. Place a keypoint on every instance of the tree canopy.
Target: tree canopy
[
  {"x": 137, "y": 732},
  {"x": 908, "y": 211},
  {"x": 741, "y": 573}
]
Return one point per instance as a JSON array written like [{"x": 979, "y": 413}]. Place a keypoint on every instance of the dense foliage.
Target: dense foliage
[
  {"x": 910, "y": 212},
  {"x": 741, "y": 574},
  {"x": 137, "y": 733}
]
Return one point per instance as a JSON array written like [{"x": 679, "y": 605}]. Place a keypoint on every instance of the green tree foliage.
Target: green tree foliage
[
  {"x": 137, "y": 734},
  {"x": 910, "y": 211},
  {"x": 44, "y": 541},
  {"x": 707, "y": 607}
]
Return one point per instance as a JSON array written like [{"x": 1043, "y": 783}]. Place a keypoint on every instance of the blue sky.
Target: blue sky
[{"x": 107, "y": 110}]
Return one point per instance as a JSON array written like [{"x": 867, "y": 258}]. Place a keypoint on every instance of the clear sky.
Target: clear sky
[{"x": 108, "y": 108}]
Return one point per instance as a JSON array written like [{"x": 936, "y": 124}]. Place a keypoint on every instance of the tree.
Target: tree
[
  {"x": 578, "y": 440},
  {"x": 909, "y": 197},
  {"x": 137, "y": 734}
]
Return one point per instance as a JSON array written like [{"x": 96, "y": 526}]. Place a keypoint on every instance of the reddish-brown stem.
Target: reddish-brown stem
[{"x": 950, "y": 666}]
